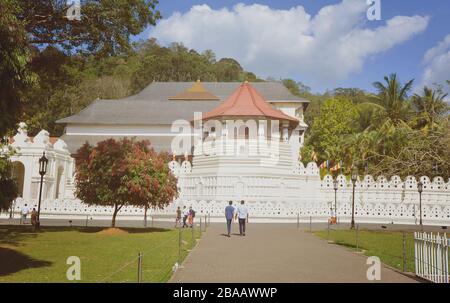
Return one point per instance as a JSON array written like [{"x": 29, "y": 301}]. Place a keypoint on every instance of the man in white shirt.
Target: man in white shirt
[
  {"x": 25, "y": 210},
  {"x": 185, "y": 216},
  {"x": 242, "y": 215}
]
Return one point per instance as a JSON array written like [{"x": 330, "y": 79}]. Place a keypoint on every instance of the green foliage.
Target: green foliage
[
  {"x": 390, "y": 133},
  {"x": 118, "y": 173},
  {"x": 393, "y": 100},
  {"x": 328, "y": 131},
  {"x": 414, "y": 152},
  {"x": 14, "y": 56},
  {"x": 26, "y": 26},
  {"x": 430, "y": 107},
  {"x": 104, "y": 28},
  {"x": 8, "y": 188}
]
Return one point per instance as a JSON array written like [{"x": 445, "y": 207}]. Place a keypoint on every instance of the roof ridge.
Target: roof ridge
[{"x": 251, "y": 91}]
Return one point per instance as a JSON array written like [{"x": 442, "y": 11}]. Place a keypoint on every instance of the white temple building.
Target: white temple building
[
  {"x": 58, "y": 181},
  {"x": 151, "y": 113},
  {"x": 244, "y": 146}
]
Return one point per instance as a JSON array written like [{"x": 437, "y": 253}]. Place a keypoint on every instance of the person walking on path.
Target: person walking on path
[
  {"x": 185, "y": 216},
  {"x": 191, "y": 217},
  {"x": 242, "y": 215},
  {"x": 229, "y": 214},
  {"x": 24, "y": 212},
  {"x": 178, "y": 218}
]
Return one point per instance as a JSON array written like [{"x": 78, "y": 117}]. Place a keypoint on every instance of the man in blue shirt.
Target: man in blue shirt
[
  {"x": 242, "y": 215},
  {"x": 229, "y": 213}
]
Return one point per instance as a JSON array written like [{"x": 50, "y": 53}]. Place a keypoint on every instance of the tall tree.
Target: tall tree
[
  {"x": 104, "y": 29},
  {"x": 430, "y": 107},
  {"x": 392, "y": 98},
  {"x": 337, "y": 120},
  {"x": 105, "y": 26},
  {"x": 150, "y": 178},
  {"x": 14, "y": 56},
  {"x": 119, "y": 173}
]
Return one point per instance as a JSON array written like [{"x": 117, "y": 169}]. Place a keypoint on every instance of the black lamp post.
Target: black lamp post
[
  {"x": 420, "y": 190},
  {"x": 43, "y": 162},
  {"x": 335, "y": 187},
  {"x": 354, "y": 178}
]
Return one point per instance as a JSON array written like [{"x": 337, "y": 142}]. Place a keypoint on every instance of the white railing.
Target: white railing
[{"x": 431, "y": 256}]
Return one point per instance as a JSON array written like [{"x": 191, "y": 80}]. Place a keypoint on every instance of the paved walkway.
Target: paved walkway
[{"x": 274, "y": 253}]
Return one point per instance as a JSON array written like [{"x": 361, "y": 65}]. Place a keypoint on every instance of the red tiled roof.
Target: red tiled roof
[{"x": 246, "y": 101}]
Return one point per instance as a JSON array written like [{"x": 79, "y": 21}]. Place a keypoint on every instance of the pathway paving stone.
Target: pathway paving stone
[{"x": 274, "y": 253}]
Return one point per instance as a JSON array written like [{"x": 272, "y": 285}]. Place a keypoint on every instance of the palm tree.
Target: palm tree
[
  {"x": 430, "y": 107},
  {"x": 392, "y": 99}
]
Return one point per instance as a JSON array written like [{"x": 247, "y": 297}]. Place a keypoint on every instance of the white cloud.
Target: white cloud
[
  {"x": 321, "y": 49},
  {"x": 437, "y": 65}
]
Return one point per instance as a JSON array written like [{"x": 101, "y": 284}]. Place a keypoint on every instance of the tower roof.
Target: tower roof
[
  {"x": 246, "y": 101},
  {"x": 196, "y": 92}
]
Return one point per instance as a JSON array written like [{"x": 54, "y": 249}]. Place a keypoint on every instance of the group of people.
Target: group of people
[
  {"x": 188, "y": 215},
  {"x": 24, "y": 213},
  {"x": 238, "y": 213}
]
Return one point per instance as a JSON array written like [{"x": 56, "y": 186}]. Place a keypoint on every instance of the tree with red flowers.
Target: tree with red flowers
[{"x": 124, "y": 172}]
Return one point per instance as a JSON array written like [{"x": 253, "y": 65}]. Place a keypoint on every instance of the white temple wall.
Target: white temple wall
[
  {"x": 271, "y": 196},
  {"x": 376, "y": 201}
]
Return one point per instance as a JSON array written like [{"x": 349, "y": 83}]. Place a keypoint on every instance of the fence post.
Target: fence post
[
  {"x": 200, "y": 226},
  {"x": 139, "y": 276},
  {"x": 298, "y": 220},
  {"x": 87, "y": 218},
  {"x": 357, "y": 237},
  {"x": 328, "y": 231},
  {"x": 416, "y": 253},
  {"x": 439, "y": 259},
  {"x": 404, "y": 252},
  {"x": 310, "y": 224},
  {"x": 152, "y": 221},
  {"x": 193, "y": 237},
  {"x": 445, "y": 248},
  {"x": 206, "y": 222},
  {"x": 179, "y": 245}
]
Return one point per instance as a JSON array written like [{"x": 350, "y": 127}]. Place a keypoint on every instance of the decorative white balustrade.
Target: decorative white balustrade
[{"x": 273, "y": 199}]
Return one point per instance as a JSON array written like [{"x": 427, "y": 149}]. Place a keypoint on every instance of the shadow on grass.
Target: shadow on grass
[
  {"x": 15, "y": 235},
  {"x": 12, "y": 261},
  {"x": 346, "y": 244}
]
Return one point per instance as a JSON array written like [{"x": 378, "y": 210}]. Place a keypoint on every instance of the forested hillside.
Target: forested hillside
[{"x": 68, "y": 83}]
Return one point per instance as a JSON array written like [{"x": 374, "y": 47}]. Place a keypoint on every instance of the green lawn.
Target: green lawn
[
  {"x": 26, "y": 256},
  {"x": 387, "y": 245}
]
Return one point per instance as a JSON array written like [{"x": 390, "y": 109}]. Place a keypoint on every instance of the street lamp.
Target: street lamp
[
  {"x": 420, "y": 190},
  {"x": 43, "y": 162},
  {"x": 354, "y": 178},
  {"x": 335, "y": 187}
]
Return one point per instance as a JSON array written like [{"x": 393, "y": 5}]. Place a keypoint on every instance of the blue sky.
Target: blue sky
[{"x": 326, "y": 64}]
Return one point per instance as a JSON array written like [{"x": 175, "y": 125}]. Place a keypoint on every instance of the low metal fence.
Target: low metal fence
[{"x": 431, "y": 256}]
